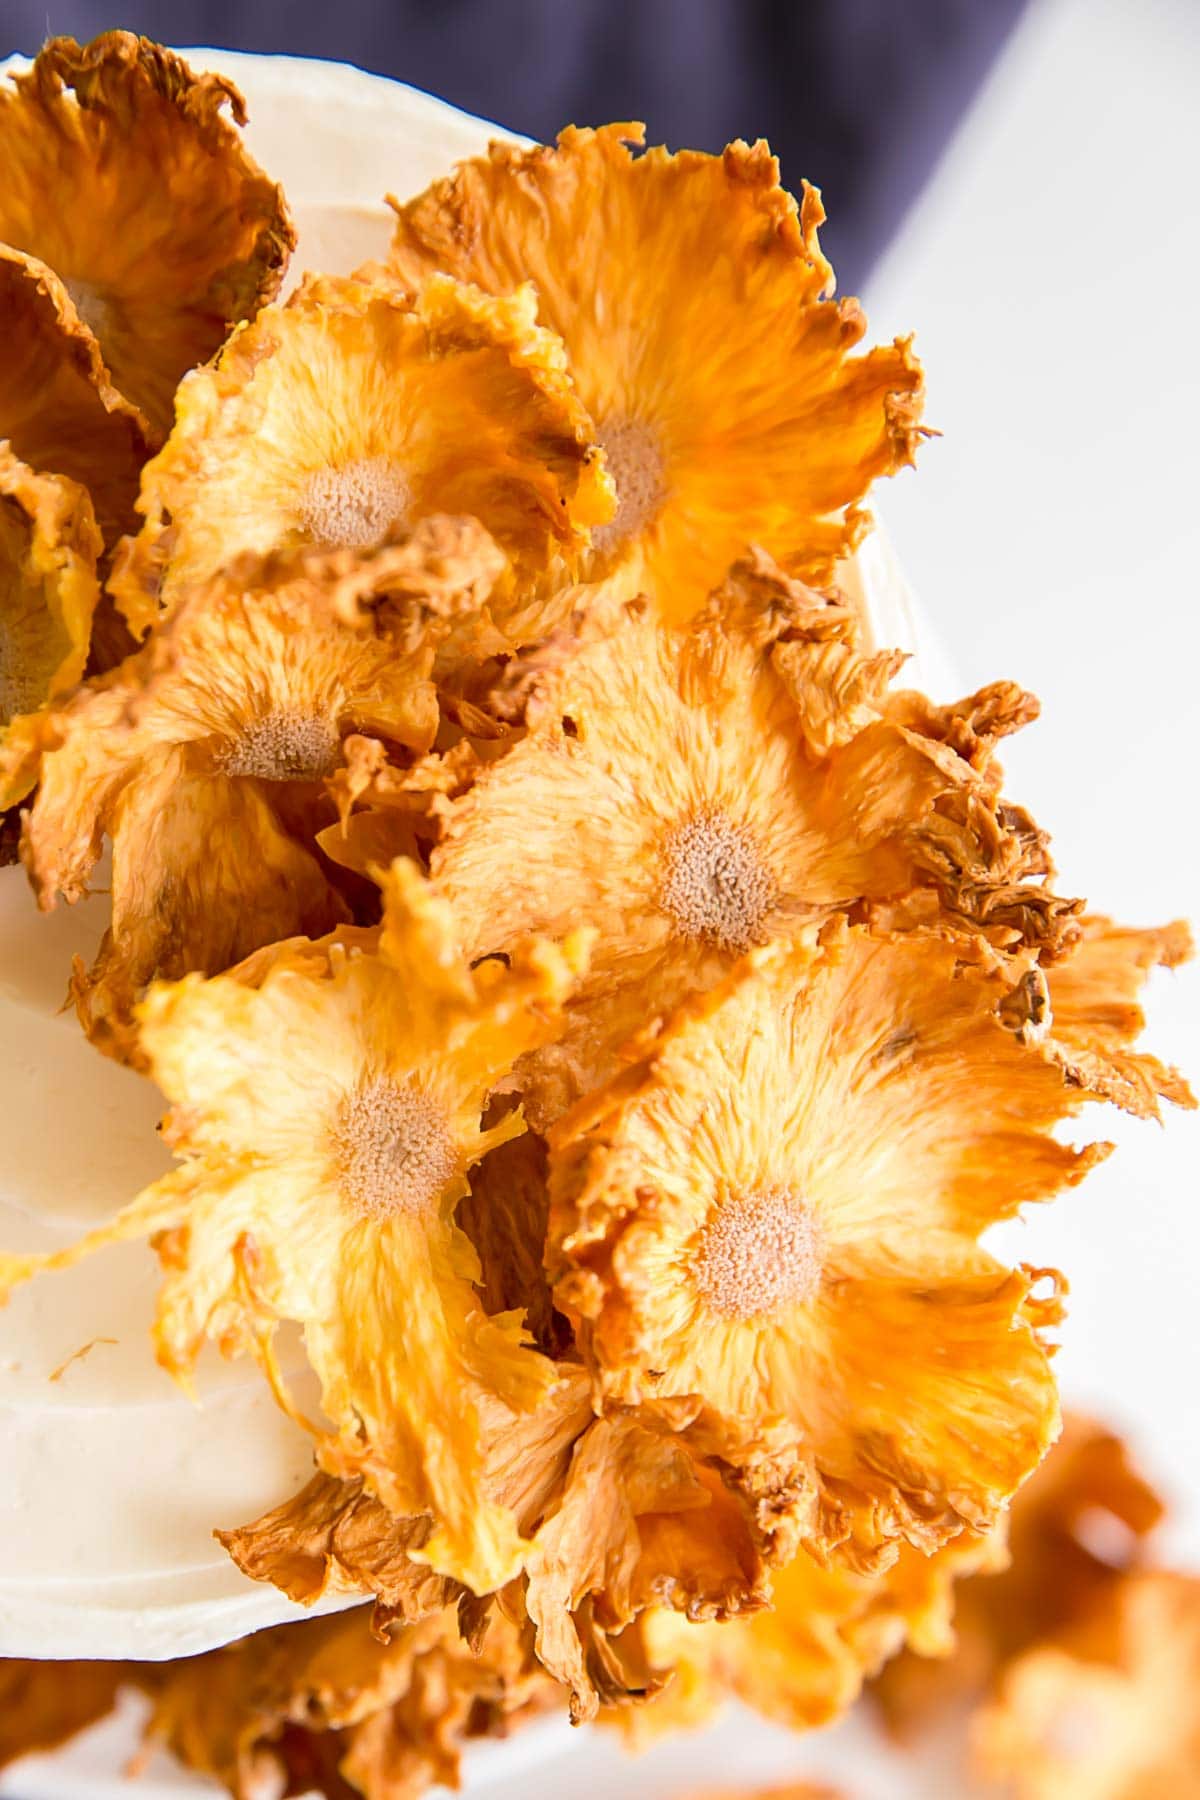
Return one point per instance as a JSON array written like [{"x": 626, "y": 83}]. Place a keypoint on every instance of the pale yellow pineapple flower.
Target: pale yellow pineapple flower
[
  {"x": 692, "y": 296},
  {"x": 692, "y": 792},
  {"x": 778, "y": 1208},
  {"x": 203, "y": 757},
  {"x": 327, "y": 1103},
  {"x": 58, "y": 407},
  {"x": 123, "y": 175},
  {"x": 1111, "y": 1710},
  {"x": 357, "y": 409},
  {"x": 49, "y": 546}
]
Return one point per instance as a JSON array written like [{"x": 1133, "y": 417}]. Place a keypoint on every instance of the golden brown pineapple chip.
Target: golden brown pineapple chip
[
  {"x": 1111, "y": 1711},
  {"x": 778, "y": 1209},
  {"x": 325, "y": 1706},
  {"x": 1075, "y": 1528},
  {"x": 203, "y": 757},
  {"x": 43, "y": 1704},
  {"x": 49, "y": 546},
  {"x": 356, "y": 409},
  {"x": 122, "y": 174},
  {"x": 327, "y": 1108},
  {"x": 693, "y": 792},
  {"x": 58, "y": 407},
  {"x": 690, "y": 293}
]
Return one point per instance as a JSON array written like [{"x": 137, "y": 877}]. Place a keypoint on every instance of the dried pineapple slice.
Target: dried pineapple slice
[
  {"x": 691, "y": 793},
  {"x": 124, "y": 177},
  {"x": 327, "y": 1105},
  {"x": 690, "y": 293},
  {"x": 203, "y": 757},
  {"x": 778, "y": 1210},
  {"x": 355, "y": 409},
  {"x": 1110, "y": 1711},
  {"x": 49, "y": 546},
  {"x": 1076, "y": 1526},
  {"x": 58, "y": 407},
  {"x": 803, "y": 1659}
]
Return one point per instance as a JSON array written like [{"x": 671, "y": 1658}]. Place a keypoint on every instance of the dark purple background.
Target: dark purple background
[{"x": 860, "y": 96}]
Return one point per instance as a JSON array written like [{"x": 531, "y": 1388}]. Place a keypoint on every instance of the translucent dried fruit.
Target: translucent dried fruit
[
  {"x": 1110, "y": 1711},
  {"x": 355, "y": 409},
  {"x": 644, "y": 1519},
  {"x": 123, "y": 175},
  {"x": 778, "y": 1209},
  {"x": 336, "y": 1537},
  {"x": 43, "y": 1704},
  {"x": 327, "y": 1102},
  {"x": 803, "y": 1659},
  {"x": 204, "y": 756},
  {"x": 49, "y": 546},
  {"x": 690, "y": 292},
  {"x": 327, "y": 1706},
  {"x": 691, "y": 793},
  {"x": 58, "y": 407},
  {"x": 1076, "y": 1527}
]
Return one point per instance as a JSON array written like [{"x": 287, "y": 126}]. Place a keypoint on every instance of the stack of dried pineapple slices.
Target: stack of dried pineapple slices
[{"x": 592, "y": 1000}]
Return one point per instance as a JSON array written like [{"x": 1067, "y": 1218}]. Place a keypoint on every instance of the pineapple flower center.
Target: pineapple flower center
[
  {"x": 285, "y": 745},
  {"x": 20, "y": 691},
  {"x": 392, "y": 1150},
  {"x": 715, "y": 883},
  {"x": 635, "y": 461},
  {"x": 92, "y": 307},
  {"x": 757, "y": 1253},
  {"x": 353, "y": 506}
]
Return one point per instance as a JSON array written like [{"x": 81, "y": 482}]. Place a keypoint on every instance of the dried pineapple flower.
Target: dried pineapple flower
[
  {"x": 692, "y": 793},
  {"x": 875, "y": 1102},
  {"x": 123, "y": 176},
  {"x": 644, "y": 1519},
  {"x": 1076, "y": 1526},
  {"x": 203, "y": 757},
  {"x": 690, "y": 292},
  {"x": 325, "y": 1706},
  {"x": 335, "y": 1537},
  {"x": 803, "y": 1659},
  {"x": 1112, "y": 1710},
  {"x": 327, "y": 1103},
  {"x": 49, "y": 546},
  {"x": 43, "y": 1704},
  {"x": 58, "y": 407},
  {"x": 356, "y": 409}
]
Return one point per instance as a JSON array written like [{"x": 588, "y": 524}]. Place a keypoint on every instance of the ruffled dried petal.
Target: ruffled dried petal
[
  {"x": 1077, "y": 1525},
  {"x": 691, "y": 293},
  {"x": 644, "y": 1520},
  {"x": 44, "y": 1704},
  {"x": 327, "y": 1106},
  {"x": 58, "y": 407},
  {"x": 124, "y": 176},
  {"x": 49, "y": 547},
  {"x": 783, "y": 1199},
  {"x": 335, "y": 1536},
  {"x": 693, "y": 793},
  {"x": 327, "y": 1705},
  {"x": 803, "y": 1660},
  {"x": 1112, "y": 1710},
  {"x": 203, "y": 758},
  {"x": 356, "y": 409}
]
